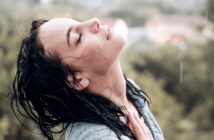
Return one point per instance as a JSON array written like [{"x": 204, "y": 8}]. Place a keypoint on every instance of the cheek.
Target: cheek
[
  {"x": 91, "y": 47},
  {"x": 95, "y": 63},
  {"x": 91, "y": 57},
  {"x": 119, "y": 40},
  {"x": 114, "y": 48},
  {"x": 90, "y": 50}
]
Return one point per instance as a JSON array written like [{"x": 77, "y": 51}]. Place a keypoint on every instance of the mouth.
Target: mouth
[{"x": 108, "y": 33}]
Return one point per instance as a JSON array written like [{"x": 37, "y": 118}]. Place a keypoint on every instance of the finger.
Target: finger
[
  {"x": 145, "y": 128},
  {"x": 137, "y": 130},
  {"x": 148, "y": 132},
  {"x": 130, "y": 126},
  {"x": 138, "y": 120}
]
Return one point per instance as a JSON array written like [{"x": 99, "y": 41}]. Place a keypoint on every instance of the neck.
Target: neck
[{"x": 111, "y": 85}]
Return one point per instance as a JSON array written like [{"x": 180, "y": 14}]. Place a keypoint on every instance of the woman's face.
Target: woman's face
[{"x": 82, "y": 45}]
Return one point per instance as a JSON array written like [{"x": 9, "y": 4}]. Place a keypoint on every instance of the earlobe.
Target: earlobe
[
  {"x": 80, "y": 83},
  {"x": 85, "y": 82}
]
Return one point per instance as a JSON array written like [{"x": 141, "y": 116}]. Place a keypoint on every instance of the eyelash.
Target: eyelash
[{"x": 79, "y": 39}]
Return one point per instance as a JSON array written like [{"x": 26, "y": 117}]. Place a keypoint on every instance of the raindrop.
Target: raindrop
[{"x": 181, "y": 72}]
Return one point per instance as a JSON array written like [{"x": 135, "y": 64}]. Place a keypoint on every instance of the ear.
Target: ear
[{"x": 80, "y": 83}]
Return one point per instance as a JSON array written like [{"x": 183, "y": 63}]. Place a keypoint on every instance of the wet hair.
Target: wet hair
[{"x": 42, "y": 92}]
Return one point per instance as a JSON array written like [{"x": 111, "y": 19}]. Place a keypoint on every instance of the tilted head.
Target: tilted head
[
  {"x": 47, "y": 86},
  {"x": 81, "y": 44}
]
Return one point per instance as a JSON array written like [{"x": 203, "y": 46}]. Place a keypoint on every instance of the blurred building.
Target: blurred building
[
  {"x": 176, "y": 29},
  {"x": 188, "y": 5}
]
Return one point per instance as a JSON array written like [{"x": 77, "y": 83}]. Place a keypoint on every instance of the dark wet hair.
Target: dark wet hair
[{"x": 42, "y": 92}]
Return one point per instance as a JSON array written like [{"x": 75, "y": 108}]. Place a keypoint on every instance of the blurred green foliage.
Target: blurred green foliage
[
  {"x": 210, "y": 10},
  {"x": 184, "y": 109},
  {"x": 188, "y": 102}
]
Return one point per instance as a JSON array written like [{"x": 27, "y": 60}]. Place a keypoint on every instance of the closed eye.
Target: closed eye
[{"x": 79, "y": 39}]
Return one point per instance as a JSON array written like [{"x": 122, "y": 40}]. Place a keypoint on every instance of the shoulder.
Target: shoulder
[{"x": 89, "y": 131}]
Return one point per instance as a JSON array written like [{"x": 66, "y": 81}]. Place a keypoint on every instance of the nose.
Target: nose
[{"x": 94, "y": 25}]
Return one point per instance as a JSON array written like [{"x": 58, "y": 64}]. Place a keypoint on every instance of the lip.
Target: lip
[{"x": 108, "y": 33}]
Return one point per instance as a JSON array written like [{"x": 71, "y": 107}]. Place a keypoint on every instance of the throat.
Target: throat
[{"x": 111, "y": 85}]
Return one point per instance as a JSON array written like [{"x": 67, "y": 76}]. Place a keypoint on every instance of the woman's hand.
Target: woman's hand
[{"x": 139, "y": 128}]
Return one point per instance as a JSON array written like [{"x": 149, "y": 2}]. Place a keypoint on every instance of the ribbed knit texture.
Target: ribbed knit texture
[{"x": 90, "y": 131}]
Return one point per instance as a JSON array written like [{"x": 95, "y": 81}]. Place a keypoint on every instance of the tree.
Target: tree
[{"x": 210, "y": 10}]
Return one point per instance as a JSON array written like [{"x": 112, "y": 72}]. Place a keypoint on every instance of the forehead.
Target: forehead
[
  {"x": 53, "y": 32},
  {"x": 57, "y": 22}
]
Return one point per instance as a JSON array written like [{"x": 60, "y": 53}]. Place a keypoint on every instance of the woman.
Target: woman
[{"x": 68, "y": 73}]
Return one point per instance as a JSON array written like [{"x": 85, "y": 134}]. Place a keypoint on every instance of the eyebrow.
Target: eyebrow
[{"x": 68, "y": 34}]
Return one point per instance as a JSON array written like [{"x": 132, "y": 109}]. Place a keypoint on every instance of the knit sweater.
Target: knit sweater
[{"x": 92, "y": 131}]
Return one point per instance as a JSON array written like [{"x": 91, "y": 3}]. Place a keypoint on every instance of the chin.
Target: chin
[
  {"x": 124, "y": 41},
  {"x": 121, "y": 40}
]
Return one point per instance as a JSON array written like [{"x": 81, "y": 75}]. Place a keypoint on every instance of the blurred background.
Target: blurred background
[{"x": 169, "y": 54}]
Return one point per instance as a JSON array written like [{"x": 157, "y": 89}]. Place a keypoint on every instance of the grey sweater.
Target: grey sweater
[{"x": 92, "y": 131}]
